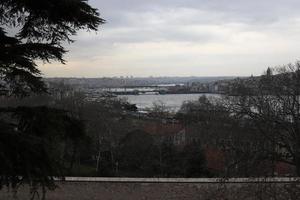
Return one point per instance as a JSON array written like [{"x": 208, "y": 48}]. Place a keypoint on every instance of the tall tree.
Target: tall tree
[
  {"x": 40, "y": 28},
  {"x": 272, "y": 104},
  {"x": 33, "y": 30}
]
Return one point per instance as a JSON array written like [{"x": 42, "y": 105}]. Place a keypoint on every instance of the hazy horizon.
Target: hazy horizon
[
  {"x": 184, "y": 38},
  {"x": 142, "y": 77}
]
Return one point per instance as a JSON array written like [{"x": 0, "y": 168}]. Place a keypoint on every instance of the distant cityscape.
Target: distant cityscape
[{"x": 94, "y": 88}]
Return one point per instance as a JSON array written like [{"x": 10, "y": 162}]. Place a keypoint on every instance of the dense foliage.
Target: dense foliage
[
  {"x": 272, "y": 104},
  {"x": 221, "y": 136},
  {"x": 30, "y": 137},
  {"x": 37, "y": 30}
]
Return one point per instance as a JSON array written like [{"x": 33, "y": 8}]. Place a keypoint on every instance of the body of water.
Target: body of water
[{"x": 172, "y": 101}]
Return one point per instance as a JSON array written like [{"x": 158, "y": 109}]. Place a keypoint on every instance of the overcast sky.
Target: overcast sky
[{"x": 185, "y": 38}]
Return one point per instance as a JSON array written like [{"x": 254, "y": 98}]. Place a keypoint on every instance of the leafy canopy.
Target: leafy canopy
[
  {"x": 31, "y": 31},
  {"x": 40, "y": 28}
]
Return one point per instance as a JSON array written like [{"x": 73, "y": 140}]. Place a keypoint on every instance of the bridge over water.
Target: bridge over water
[{"x": 135, "y": 90}]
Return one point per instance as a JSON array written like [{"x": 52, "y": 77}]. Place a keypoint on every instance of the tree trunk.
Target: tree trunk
[
  {"x": 297, "y": 164},
  {"x": 98, "y": 161}
]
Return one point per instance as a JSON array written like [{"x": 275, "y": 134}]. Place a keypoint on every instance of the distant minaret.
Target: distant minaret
[
  {"x": 124, "y": 82},
  {"x": 269, "y": 72}
]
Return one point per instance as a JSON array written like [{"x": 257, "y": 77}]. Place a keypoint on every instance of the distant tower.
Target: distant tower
[{"x": 269, "y": 72}]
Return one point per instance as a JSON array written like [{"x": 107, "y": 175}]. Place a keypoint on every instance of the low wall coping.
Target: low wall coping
[{"x": 183, "y": 180}]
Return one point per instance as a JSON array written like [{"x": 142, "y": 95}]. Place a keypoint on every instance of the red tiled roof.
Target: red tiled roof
[
  {"x": 157, "y": 128},
  {"x": 215, "y": 159}
]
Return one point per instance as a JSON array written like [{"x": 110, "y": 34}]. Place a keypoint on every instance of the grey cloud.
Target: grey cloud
[
  {"x": 247, "y": 11},
  {"x": 137, "y": 21},
  {"x": 170, "y": 34},
  {"x": 271, "y": 25},
  {"x": 131, "y": 21}
]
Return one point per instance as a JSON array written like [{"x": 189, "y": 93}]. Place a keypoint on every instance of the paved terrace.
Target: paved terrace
[{"x": 91, "y": 188}]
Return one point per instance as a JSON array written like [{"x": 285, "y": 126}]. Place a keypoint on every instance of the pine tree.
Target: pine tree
[
  {"x": 31, "y": 31},
  {"x": 41, "y": 27}
]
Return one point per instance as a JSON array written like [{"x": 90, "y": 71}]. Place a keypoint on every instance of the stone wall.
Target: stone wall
[{"x": 168, "y": 189}]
